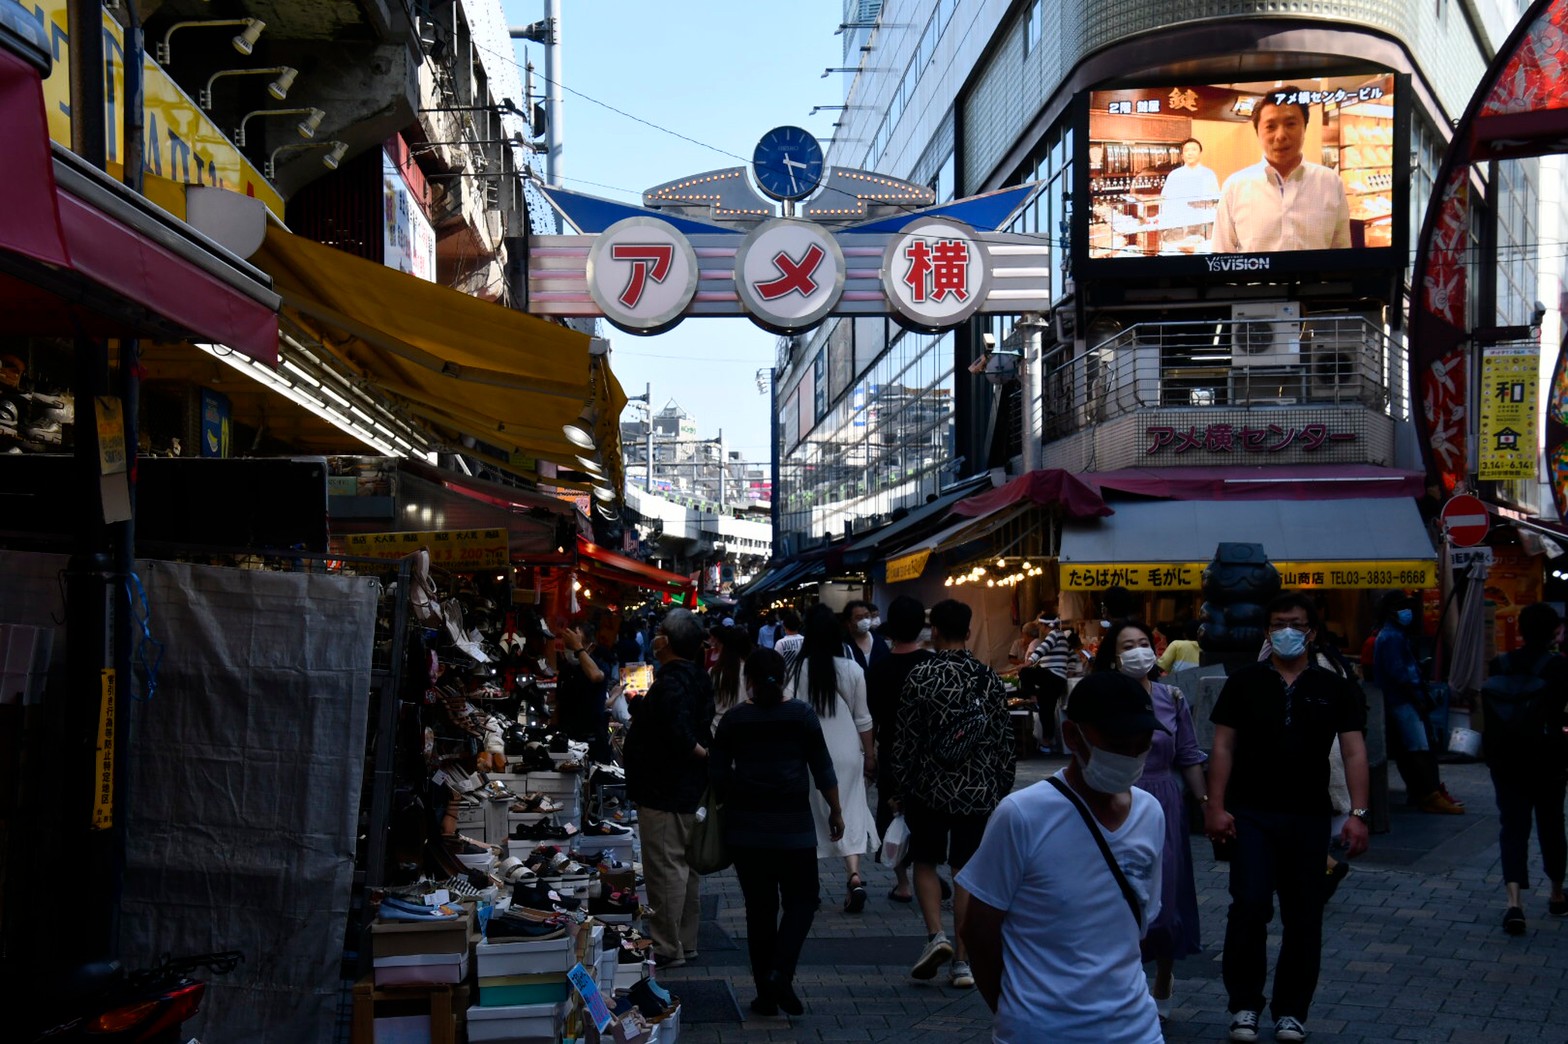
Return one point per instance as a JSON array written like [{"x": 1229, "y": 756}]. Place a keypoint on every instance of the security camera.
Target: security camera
[
  {"x": 988, "y": 341},
  {"x": 1538, "y": 315}
]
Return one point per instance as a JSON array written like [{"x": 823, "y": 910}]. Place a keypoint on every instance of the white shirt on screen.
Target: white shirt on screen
[
  {"x": 1261, "y": 212},
  {"x": 1184, "y": 188}
]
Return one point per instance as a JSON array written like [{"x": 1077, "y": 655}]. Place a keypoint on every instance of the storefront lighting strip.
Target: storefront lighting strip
[
  {"x": 301, "y": 374},
  {"x": 373, "y": 414},
  {"x": 265, "y": 375}
]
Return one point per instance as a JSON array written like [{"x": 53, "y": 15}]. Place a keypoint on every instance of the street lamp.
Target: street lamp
[
  {"x": 334, "y": 156},
  {"x": 244, "y": 43},
  {"x": 278, "y": 88},
  {"x": 306, "y": 127}
]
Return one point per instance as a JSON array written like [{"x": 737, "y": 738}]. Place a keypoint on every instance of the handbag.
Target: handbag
[
  {"x": 706, "y": 852},
  {"x": 1105, "y": 850}
]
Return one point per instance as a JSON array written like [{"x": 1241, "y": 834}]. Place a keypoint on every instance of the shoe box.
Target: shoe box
[
  {"x": 390, "y": 939},
  {"x": 516, "y": 1024},
  {"x": 422, "y": 969},
  {"x": 621, "y": 846},
  {"x": 552, "y": 783},
  {"x": 526, "y": 957}
]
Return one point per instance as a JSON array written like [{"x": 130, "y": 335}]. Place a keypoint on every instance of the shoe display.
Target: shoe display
[
  {"x": 1244, "y": 1026},
  {"x": 960, "y": 976},
  {"x": 1289, "y": 1028},
  {"x": 547, "y": 829},
  {"x": 937, "y": 953},
  {"x": 600, "y": 828},
  {"x": 1513, "y": 921},
  {"x": 511, "y": 927}
]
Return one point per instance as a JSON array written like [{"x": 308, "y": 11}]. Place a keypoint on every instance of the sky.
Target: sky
[{"x": 719, "y": 74}]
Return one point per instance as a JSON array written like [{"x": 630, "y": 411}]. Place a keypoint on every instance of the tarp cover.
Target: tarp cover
[
  {"x": 243, "y": 777},
  {"x": 246, "y": 770},
  {"x": 1046, "y": 486}
]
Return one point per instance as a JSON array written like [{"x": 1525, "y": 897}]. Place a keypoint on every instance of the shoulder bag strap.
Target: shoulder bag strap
[{"x": 1105, "y": 849}]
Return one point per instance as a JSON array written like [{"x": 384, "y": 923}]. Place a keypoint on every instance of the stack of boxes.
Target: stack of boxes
[{"x": 415, "y": 964}]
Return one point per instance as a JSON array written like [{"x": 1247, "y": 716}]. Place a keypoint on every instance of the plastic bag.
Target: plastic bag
[
  {"x": 895, "y": 843},
  {"x": 706, "y": 852}
]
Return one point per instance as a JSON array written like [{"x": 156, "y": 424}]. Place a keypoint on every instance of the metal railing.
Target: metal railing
[{"x": 1229, "y": 364}]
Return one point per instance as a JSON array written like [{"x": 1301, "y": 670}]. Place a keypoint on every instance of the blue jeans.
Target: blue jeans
[
  {"x": 1276, "y": 853},
  {"x": 1409, "y": 727}
]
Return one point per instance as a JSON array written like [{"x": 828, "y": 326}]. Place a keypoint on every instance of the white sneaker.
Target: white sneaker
[
  {"x": 937, "y": 953},
  {"x": 1289, "y": 1028},
  {"x": 1244, "y": 1026},
  {"x": 960, "y": 976}
]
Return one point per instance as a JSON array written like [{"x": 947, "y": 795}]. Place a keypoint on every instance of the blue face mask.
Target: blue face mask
[
  {"x": 1404, "y": 616},
  {"x": 1288, "y": 642}
]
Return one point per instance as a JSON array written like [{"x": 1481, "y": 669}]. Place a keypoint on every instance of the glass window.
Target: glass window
[{"x": 1032, "y": 23}]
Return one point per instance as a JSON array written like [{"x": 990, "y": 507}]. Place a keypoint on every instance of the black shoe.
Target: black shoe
[
  {"x": 1333, "y": 877},
  {"x": 545, "y": 830},
  {"x": 648, "y": 1002},
  {"x": 1513, "y": 921},
  {"x": 765, "y": 1003},
  {"x": 784, "y": 995},
  {"x": 507, "y": 927}
]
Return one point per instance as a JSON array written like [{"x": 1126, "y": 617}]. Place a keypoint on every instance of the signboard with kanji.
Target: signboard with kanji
[
  {"x": 1188, "y": 576},
  {"x": 457, "y": 549},
  {"x": 1509, "y": 379}
]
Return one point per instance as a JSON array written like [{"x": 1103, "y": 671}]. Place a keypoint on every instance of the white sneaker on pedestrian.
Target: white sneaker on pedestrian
[
  {"x": 937, "y": 953},
  {"x": 960, "y": 976},
  {"x": 1244, "y": 1025},
  {"x": 1289, "y": 1028}
]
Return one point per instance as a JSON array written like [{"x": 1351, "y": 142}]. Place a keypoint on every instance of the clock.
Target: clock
[{"x": 787, "y": 163}]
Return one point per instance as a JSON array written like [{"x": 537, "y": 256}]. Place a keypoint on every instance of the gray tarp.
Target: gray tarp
[{"x": 244, "y": 777}]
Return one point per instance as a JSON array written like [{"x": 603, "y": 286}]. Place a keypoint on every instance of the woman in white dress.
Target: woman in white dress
[{"x": 836, "y": 689}]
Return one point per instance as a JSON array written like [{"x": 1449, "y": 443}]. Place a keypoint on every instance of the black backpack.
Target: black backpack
[
  {"x": 958, "y": 728},
  {"x": 1516, "y": 706}
]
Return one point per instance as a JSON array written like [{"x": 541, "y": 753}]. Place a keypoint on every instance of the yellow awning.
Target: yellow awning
[{"x": 467, "y": 366}]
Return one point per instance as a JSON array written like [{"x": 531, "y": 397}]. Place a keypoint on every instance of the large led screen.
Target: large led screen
[{"x": 1244, "y": 179}]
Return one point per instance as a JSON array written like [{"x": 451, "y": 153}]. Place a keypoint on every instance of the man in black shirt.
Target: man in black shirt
[
  {"x": 1274, "y": 723},
  {"x": 906, "y": 618}
]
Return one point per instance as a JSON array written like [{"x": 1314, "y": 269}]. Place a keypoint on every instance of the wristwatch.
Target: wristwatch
[{"x": 1361, "y": 814}]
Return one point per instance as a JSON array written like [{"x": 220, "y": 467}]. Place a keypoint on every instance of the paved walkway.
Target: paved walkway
[{"x": 1413, "y": 950}]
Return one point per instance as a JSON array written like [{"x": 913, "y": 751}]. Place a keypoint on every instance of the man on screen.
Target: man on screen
[
  {"x": 1283, "y": 202},
  {"x": 1190, "y": 191}
]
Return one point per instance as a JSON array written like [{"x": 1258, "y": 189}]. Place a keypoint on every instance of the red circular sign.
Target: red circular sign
[{"x": 1465, "y": 520}]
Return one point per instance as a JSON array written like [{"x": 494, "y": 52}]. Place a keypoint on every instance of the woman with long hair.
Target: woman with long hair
[
  {"x": 729, "y": 674},
  {"x": 1129, "y": 648},
  {"x": 836, "y": 689},
  {"x": 767, "y": 753}
]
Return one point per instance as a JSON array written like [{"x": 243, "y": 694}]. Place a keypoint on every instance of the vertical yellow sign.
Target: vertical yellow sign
[
  {"x": 1509, "y": 378},
  {"x": 103, "y": 781}
]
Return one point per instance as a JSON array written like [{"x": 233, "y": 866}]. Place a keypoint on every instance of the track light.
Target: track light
[
  {"x": 590, "y": 465},
  {"x": 580, "y": 432},
  {"x": 603, "y": 494},
  {"x": 306, "y": 127},
  {"x": 334, "y": 156},
  {"x": 244, "y": 43},
  {"x": 278, "y": 88}
]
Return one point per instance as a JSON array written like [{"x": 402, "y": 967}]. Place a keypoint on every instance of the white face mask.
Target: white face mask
[
  {"x": 925, "y": 636},
  {"x": 1111, "y": 773},
  {"x": 1137, "y": 662},
  {"x": 863, "y": 626},
  {"x": 876, "y": 621}
]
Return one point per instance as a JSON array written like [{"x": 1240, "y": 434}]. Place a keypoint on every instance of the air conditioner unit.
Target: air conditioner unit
[
  {"x": 1265, "y": 334},
  {"x": 1343, "y": 359},
  {"x": 1136, "y": 369}
]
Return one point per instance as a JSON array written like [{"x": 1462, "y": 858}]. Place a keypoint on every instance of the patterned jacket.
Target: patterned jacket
[{"x": 933, "y": 688}]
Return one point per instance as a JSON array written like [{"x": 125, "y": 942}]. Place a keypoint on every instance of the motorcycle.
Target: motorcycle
[{"x": 105, "y": 1003}]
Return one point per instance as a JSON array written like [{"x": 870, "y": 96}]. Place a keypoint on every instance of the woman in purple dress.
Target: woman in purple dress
[{"x": 1129, "y": 648}]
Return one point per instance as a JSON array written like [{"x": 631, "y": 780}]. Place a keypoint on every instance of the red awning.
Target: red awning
[
  {"x": 1048, "y": 486},
  {"x": 90, "y": 256},
  {"x": 596, "y": 560}
]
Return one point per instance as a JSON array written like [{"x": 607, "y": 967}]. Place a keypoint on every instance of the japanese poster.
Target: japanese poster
[{"x": 1509, "y": 380}]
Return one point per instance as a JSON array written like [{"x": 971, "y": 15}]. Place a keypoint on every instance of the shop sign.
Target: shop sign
[
  {"x": 907, "y": 567},
  {"x": 408, "y": 243},
  {"x": 103, "y": 754},
  {"x": 1465, "y": 557},
  {"x": 1509, "y": 378},
  {"x": 789, "y": 274},
  {"x": 1188, "y": 576},
  {"x": 111, "y": 435},
  {"x": 936, "y": 272},
  {"x": 642, "y": 274},
  {"x": 215, "y": 413},
  {"x": 183, "y": 144},
  {"x": 457, "y": 549},
  {"x": 1231, "y": 438}
]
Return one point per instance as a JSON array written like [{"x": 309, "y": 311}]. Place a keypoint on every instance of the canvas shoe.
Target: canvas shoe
[
  {"x": 960, "y": 976},
  {"x": 1244, "y": 1026},
  {"x": 937, "y": 953},
  {"x": 1289, "y": 1028}
]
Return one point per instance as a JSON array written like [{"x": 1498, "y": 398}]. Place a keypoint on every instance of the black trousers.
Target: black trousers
[
  {"x": 771, "y": 878},
  {"x": 1284, "y": 854},
  {"x": 1530, "y": 784}
]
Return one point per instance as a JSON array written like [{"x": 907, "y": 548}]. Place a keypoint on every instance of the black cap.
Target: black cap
[{"x": 1113, "y": 703}]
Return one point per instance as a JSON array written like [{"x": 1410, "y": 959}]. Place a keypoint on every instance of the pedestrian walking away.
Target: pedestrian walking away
[
  {"x": 1065, "y": 880},
  {"x": 1274, "y": 722},
  {"x": 767, "y": 753},
  {"x": 885, "y": 679}
]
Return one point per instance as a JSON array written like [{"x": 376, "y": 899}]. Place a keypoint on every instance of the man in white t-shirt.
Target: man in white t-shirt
[
  {"x": 1052, "y": 935},
  {"x": 1283, "y": 202}
]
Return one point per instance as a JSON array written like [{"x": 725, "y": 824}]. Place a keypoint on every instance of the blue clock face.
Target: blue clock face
[{"x": 787, "y": 163}]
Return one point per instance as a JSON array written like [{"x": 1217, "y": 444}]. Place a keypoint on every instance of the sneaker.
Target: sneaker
[
  {"x": 937, "y": 953},
  {"x": 1289, "y": 1028},
  {"x": 1244, "y": 1025},
  {"x": 959, "y": 975},
  {"x": 1513, "y": 921},
  {"x": 1439, "y": 804}
]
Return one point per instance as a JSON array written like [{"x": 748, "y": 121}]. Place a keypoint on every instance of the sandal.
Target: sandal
[
  {"x": 893, "y": 895},
  {"x": 856, "y": 900}
]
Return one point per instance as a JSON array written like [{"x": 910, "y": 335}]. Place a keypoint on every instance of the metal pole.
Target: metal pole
[
  {"x": 648, "y": 391},
  {"x": 1030, "y": 387},
  {"x": 721, "y": 469},
  {"x": 553, "y": 108}
]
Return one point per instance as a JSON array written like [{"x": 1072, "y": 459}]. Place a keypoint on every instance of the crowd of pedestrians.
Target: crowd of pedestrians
[{"x": 1074, "y": 899}]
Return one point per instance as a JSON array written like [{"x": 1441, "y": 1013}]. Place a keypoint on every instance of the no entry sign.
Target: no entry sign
[{"x": 1465, "y": 520}]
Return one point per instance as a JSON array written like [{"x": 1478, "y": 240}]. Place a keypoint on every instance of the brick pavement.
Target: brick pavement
[{"x": 1413, "y": 950}]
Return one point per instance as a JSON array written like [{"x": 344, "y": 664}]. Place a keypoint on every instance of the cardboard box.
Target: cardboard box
[
  {"x": 425, "y": 969},
  {"x": 552, "y": 783},
  {"x": 410, "y": 938},
  {"x": 525, "y": 957},
  {"x": 516, "y": 1023}
]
